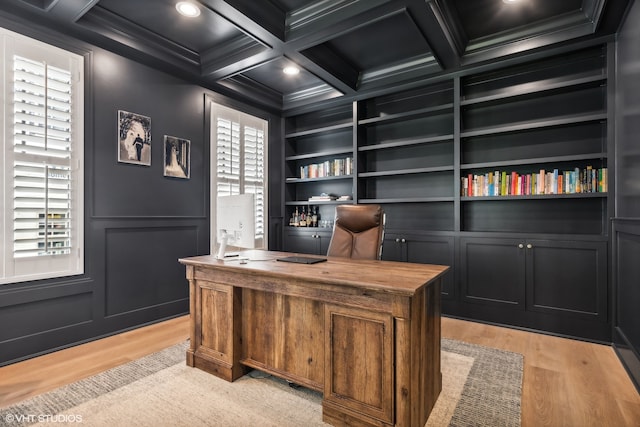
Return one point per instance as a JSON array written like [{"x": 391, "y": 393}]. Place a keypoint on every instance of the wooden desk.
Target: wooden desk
[{"x": 364, "y": 333}]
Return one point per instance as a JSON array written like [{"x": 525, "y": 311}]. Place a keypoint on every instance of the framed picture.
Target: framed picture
[
  {"x": 177, "y": 157},
  {"x": 134, "y": 133}
]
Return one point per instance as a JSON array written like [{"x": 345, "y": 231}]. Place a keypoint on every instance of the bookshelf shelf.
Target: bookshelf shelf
[
  {"x": 408, "y": 200},
  {"x": 320, "y": 130},
  {"x": 536, "y": 124},
  {"x": 407, "y": 114},
  {"x": 529, "y": 89},
  {"x": 327, "y": 153},
  {"x": 534, "y": 161},
  {"x": 406, "y": 142},
  {"x": 405, "y": 171}
]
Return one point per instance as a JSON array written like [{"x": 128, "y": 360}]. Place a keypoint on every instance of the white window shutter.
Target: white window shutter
[
  {"x": 254, "y": 173},
  {"x": 42, "y": 147}
]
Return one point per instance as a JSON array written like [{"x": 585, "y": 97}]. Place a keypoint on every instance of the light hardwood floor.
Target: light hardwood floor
[{"x": 566, "y": 382}]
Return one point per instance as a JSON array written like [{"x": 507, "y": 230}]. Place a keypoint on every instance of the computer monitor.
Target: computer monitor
[{"x": 235, "y": 222}]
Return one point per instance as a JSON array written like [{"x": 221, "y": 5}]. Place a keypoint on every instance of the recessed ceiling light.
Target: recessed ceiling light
[
  {"x": 291, "y": 70},
  {"x": 510, "y": 1},
  {"x": 188, "y": 9}
]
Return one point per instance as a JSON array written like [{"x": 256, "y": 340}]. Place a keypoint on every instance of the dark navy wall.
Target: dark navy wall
[
  {"x": 626, "y": 223},
  {"x": 138, "y": 222}
]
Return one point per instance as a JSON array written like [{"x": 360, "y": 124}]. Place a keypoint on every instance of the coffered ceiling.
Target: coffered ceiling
[{"x": 343, "y": 48}]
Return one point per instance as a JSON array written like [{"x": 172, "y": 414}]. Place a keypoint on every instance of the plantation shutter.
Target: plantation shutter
[
  {"x": 228, "y": 158},
  {"x": 254, "y": 173},
  {"x": 42, "y": 157}
]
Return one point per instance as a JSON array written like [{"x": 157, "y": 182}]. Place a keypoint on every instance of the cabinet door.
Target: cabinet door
[
  {"x": 567, "y": 277},
  {"x": 393, "y": 249},
  {"x": 358, "y": 367},
  {"x": 433, "y": 250},
  {"x": 492, "y": 271},
  {"x": 423, "y": 250},
  {"x": 307, "y": 241},
  {"x": 323, "y": 240}
]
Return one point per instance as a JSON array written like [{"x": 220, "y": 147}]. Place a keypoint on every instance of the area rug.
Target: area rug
[{"x": 481, "y": 387}]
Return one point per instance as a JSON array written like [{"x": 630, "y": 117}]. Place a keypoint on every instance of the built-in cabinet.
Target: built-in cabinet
[
  {"x": 308, "y": 241},
  {"x": 529, "y": 251},
  {"x": 567, "y": 278},
  {"x": 425, "y": 249}
]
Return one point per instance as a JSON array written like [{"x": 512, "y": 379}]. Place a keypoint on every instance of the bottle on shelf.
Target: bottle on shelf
[
  {"x": 303, "y": 218},
  {"x": 296, "y": 218},
  {"x": 314, "y": 217}
]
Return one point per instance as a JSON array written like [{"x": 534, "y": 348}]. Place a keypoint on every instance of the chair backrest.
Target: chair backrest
[{"x": 358, "y": 232}]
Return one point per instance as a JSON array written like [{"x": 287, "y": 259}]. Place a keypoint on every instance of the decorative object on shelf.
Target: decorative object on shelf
[
  {"x": 324, "y": 197},
  {"x": 177, "y": 157},
  {"x": 134, "y": 133}
]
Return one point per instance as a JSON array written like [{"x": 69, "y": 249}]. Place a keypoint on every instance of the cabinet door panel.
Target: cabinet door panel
[
  {"x": 303, "y": 241},
  {"x": 423, "y": 250},
  {"x": 567, "y": 277},
  {"x": 393, "y": 250},
  {"x": 493, "y": 271},
  {"x": 323, "y": 243},
  {"x": 359, "y": 361},
  {"x": 434, "y": 250}
]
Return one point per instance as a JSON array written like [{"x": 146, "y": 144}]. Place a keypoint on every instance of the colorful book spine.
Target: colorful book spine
[{"x": 512, "y": 183}]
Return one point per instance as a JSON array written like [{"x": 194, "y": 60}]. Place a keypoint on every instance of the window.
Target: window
[
  {"x": 41, "y": 150},
  {"x": 238, "y": 163}
]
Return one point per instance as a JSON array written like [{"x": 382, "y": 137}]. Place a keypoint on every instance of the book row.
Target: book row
[
  {"x": 502, "y": 183},
  {"x": 335, "y": 167}
]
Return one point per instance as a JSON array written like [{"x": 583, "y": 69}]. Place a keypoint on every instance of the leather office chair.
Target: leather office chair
[{"x": 358, "y": 232}]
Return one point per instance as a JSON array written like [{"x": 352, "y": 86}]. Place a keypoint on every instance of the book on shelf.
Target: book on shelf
[
  {"x": 323, "y": 198},
  {"x": 503, "y": 183},
  {"x": 335, "y": 167}
]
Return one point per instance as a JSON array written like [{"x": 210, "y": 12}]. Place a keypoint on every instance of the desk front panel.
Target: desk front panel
[{"x": 284, "y": 335}]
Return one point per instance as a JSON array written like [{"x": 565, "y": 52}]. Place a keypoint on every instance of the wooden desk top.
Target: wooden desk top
[{"x": 399, "y": 278}]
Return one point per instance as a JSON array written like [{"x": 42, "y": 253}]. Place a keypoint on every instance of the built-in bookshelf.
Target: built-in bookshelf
[
  {"x": 319, "y": 161},
  {"x": 432, "y": 157},
  {"x": 550, "y": 115},
  {"x": 405, "y": 155},
  {"x": 547, "y": 115}
]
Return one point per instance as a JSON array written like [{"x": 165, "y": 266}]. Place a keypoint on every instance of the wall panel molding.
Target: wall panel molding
[
  {"x": 626, "y": 294},
  {"x": 141, "y": 266}
]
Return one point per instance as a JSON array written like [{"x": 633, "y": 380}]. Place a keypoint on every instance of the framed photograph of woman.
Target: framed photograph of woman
[
  {"x": 177, "y": 157},
  {"x": 134, "y": 132}
]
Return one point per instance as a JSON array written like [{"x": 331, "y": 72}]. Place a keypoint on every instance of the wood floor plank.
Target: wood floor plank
[{"x": 565, "y": 382}]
